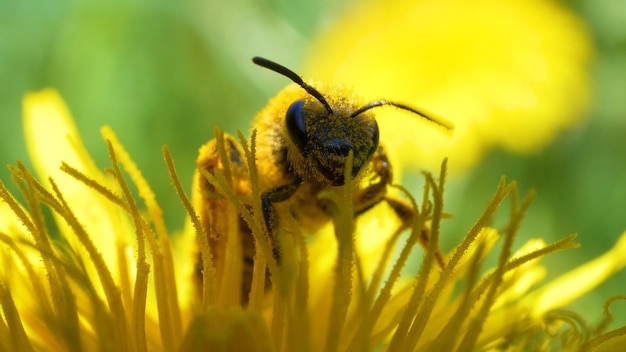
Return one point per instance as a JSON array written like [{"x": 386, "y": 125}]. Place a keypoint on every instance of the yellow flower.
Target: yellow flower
[
  {"x": 507, "y": 73},
  {"x": 111, "y": 280}
]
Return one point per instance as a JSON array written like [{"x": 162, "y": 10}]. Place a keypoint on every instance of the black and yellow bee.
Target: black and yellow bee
[{"x": 303, "y": 139}]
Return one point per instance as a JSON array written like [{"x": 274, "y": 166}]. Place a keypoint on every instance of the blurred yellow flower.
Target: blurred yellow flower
[
  {"x": 507, "y": 73},
  {"x": 112, "y": 281}
]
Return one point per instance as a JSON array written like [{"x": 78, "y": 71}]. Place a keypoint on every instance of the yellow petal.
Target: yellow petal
[
  {"x": 521, "y": 279},
  {"x": 614, "y": 343},
  {"x": 51, "y": 134},
  {"x": 52, "y": 139},
  {"x": 577, "y": 282}
]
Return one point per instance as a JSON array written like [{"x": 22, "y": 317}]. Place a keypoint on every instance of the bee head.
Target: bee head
[
  {"x": 326, "y": 134},
  {"x": 326, "y": 138}
]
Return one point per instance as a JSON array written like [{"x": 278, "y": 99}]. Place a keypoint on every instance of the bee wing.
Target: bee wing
[{"x": 230, "y": 241}]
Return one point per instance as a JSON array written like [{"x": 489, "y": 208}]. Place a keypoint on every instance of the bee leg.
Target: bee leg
[
  {"x": 405, "y": 213},
  {"x": 276, "y": 195},
  {"x": 377, "y": 192}
]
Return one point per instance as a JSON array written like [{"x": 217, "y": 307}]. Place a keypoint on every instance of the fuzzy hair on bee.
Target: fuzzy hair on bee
[{"x": 304, "y": 139}]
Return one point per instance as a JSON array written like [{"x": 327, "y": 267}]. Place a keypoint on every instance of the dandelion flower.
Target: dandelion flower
[
  {"x": 509, "y": 74},
  {"x": 111, "y": 279}
]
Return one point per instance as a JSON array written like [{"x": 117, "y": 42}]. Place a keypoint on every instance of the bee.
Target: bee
[{"x": 304, "y": 138}]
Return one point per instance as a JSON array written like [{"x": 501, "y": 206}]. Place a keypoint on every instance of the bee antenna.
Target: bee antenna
[
  {"x": 430, "y": 117},
  {"x": 278, "y": 68}
]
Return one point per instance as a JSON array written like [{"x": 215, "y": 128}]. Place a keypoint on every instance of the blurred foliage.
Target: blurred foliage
[{"x": 161, "y": 72}]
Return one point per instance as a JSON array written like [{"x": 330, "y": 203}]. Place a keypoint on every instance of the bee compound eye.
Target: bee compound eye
[
  {"x": 375, "y": 134},
  {"x": 294, "y": 121},
  {"x": 374, "y": 139}
]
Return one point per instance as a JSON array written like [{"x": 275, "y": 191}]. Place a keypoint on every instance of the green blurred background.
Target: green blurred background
[{"x": 162, "y": 72}]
